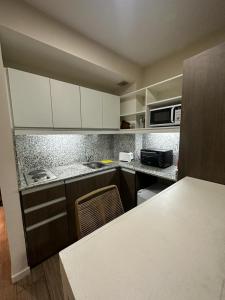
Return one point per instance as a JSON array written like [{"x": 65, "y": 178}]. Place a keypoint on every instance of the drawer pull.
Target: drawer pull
[
  {"x": 29, "y": 228},
  {"x": 79, "y": 178},
  {"x": 41, "y": 188},
  {"x": 36, "y": 207}
]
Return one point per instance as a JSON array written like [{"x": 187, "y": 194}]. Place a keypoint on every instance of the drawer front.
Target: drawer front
[
  {"x": 47, "y": 239},
  {"x": 41, "y": 212},
  {"x": 42, "y": 196},
  {"x": 45, "y": 221}
]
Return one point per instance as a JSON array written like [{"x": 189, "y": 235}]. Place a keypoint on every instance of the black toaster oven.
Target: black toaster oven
[{"x": 157, "y": 158}]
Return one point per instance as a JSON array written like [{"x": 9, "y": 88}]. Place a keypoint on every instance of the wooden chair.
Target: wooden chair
[{"x": 96, "y": 209}]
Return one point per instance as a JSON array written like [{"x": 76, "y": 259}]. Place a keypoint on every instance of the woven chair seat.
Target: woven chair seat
[{"x": 96, "y": 209}]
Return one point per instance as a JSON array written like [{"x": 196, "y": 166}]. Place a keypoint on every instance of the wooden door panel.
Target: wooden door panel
[
  {"x": 128, "y": 189},
  {"x": 202, "y": 141},
  {"x": 46, "y": 240}
]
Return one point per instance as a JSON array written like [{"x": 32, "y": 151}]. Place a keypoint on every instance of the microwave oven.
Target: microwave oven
[{"x": 165, "y": 116}]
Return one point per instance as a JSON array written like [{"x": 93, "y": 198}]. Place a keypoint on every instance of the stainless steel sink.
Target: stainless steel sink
[{"x": 94, "y": 165}]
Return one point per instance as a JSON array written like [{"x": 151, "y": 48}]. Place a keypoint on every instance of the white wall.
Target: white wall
[
  {"x": 9, "y": 187},
  {"x": 173, "y": 64}
]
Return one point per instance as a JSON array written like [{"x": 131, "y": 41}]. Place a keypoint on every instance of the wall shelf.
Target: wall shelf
[
  {"x": 165, "y": 82},
  {"x": 168, "y": 101},
  {"x": 140, "y": 112},
  {"x": 133, "y": 114},
  {"x": 135, "y": 104},
  {"x": 140, "y": 92},
  {"x": 127, "y": 115}
]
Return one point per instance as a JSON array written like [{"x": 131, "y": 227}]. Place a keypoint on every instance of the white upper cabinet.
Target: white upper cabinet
[
  {"x": 31, "y": 99},
  {"x": 110, "y": 111},
  {"x": 65, "y": 104},
  {"x": 91, "y": 108},
  {"x": 40, "y": 102}
]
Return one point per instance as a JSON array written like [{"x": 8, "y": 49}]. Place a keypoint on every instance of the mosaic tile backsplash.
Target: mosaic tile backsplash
[
  {"x": 35, "y": 151},
  {"x": 165, "y": 141}
]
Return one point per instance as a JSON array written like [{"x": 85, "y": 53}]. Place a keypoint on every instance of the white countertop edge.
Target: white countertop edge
[
  {"x": 117, "y": 220},
  {"x": 65, "y": 255}
]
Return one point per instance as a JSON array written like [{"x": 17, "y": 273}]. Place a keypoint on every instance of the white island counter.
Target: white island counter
[{"x": 171, "y": 247}]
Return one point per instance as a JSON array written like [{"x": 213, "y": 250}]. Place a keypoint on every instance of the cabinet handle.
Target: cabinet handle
[
  {"x": 41, "y": 188},
  {"x": 89, "y": 176},
  {"x": 39, "y": 206},
  {"x": 39, "y": 224}
]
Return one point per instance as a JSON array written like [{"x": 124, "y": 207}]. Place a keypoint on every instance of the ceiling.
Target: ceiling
[
  {"x": 142, "y": 31},
  {"x": 22, "y": 52}
]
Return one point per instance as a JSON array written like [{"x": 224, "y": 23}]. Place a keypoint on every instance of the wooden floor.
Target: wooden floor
[{"x": 43, "y": 283}]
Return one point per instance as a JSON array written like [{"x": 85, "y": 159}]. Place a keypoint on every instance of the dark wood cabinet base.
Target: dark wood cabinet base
[
  {"x": 49, "y": 214},
  {"x": 45, "y": 219}
]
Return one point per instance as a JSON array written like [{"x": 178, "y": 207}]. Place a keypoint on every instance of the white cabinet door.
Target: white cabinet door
[
  {"x": 31, "y": 99},
  {"x": 65, "y": 104},
  {"x": 91, "y": 108},
  {"x": 110, "y": 111}
]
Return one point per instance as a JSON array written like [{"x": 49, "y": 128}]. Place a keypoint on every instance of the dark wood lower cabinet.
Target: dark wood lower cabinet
[
  {"x": 49, "y": 212},
  {"x": 46, "y": 240},
  {"x": 83, "y": 185},
  {"x": 45, "y": 213},
  {"x": 45, "y": 219},
  {"x": 144, "y": 180},
  {"x": 128, "y": 191}
]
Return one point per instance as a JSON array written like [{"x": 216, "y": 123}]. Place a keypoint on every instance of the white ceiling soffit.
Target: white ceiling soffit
[
  {"x": 142, "y": 31},
  {"x": 30, "y": 55}
]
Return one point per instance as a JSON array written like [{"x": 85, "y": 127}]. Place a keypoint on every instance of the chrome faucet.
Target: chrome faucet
[{"x": 89, "y": 157}]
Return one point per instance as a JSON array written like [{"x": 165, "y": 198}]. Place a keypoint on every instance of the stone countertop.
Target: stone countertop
[
  {"x": 178, "y": 251},
  {"x": 78, "y": 169},
  {"x": 167, "y": 173}
]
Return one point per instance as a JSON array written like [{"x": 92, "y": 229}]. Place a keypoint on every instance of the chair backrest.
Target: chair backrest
[{"x": 96, "y": 209}]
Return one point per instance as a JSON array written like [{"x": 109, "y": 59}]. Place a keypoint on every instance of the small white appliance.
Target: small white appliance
[{"x": 126, "y": 156}]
